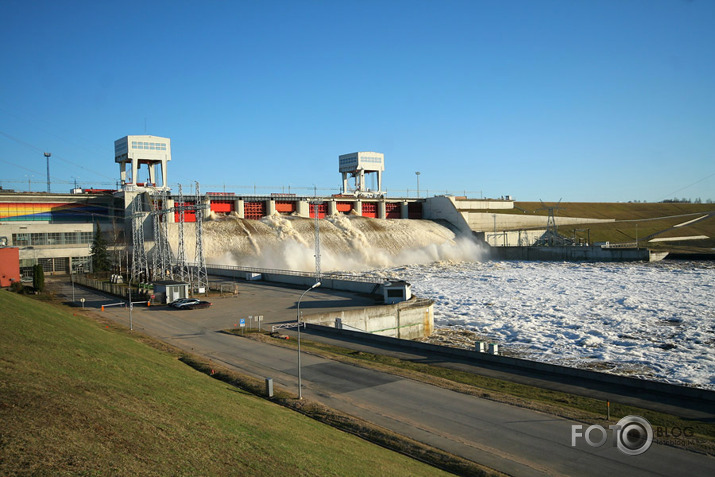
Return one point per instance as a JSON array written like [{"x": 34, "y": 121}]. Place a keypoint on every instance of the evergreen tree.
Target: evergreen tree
[
  {"x": 38, "y": 278},
  {"x": 100, "y": 256}
]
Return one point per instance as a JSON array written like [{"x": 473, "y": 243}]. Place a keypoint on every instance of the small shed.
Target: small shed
[
  {"x": 167, "y": 291},
  {"x": 397, "y": 291}
]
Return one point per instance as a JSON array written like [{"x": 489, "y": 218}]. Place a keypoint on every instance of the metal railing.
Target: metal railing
[{"x": 620, "y": 245}]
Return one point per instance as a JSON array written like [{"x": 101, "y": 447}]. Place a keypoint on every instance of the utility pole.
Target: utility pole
[{"x": 47, "y": 156}]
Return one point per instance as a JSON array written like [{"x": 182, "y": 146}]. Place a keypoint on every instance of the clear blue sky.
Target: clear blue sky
[{"x": 585, "y": 100}]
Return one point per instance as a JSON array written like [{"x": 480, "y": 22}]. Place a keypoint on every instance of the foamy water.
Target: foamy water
[
  {"x": 653, "y": 320},
  {"x": 346, "y": 243}
]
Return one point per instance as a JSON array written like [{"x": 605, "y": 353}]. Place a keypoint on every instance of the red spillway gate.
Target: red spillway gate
[
  {"x": 369, "y": 209},
  {"x": 254, "y": 210},
  {"x": 321, "y": 208}
]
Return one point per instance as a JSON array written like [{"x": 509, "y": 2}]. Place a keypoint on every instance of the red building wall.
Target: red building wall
[{"x": 9, "y": 266}]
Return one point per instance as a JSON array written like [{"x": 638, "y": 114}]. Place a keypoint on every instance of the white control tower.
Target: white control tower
[
  {"x": 142, "y": 150},
  {"x": 357, "y": 164}
]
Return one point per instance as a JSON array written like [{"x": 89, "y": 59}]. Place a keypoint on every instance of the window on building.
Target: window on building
[
  {"x": 47, "y": 264},
  {"x": 19, "y": 240},
  {"x": 39, "y": 239},
  {"x": 54, "y": 238}
]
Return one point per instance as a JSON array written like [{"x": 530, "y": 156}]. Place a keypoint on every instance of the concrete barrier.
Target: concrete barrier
[
  {"x": 558, "y": 253},
  {"x": 405, "y": 320}
]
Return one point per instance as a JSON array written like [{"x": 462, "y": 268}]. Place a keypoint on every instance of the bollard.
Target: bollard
[{"x": 269, "y": 387}]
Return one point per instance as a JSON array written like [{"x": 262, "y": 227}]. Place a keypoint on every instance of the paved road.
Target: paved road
[{"x": 511, "y": 439}]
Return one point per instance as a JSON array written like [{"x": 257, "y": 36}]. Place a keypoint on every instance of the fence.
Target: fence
[{"x": 115, "y": 289}]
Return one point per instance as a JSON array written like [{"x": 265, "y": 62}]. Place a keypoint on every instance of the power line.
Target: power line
[
  {"x": 61, "y": 158},
  {"x": 687, "y": 186}
]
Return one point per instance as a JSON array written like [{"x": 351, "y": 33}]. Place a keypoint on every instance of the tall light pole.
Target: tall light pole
[
  {"x": 300, "y": 381},
  {"x": 47, "y": 156},
  {"x": 418, "y": 183}
]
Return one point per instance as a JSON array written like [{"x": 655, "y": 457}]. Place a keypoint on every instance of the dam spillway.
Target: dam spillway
[{"x": 347, "y": 242}]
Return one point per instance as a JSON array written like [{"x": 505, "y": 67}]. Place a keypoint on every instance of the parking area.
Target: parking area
[{"x": 276, "y": 303}]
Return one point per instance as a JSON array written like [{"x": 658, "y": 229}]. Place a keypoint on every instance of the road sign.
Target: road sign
[{"x": 243, "y": 322}]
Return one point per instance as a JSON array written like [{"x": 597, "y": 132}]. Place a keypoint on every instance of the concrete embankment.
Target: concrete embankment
[{"x": 585, "y": 254}]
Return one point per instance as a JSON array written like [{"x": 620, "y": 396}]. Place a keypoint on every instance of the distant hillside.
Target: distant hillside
[{"x": 641, "y": 221}]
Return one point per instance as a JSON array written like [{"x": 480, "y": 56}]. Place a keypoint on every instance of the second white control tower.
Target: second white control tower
[{"x": 357, "y": 164}]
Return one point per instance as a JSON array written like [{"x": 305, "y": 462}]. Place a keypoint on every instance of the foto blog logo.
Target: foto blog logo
[{"x": 633, "y": 435}]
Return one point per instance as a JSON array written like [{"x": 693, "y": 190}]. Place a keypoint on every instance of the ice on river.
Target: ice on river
[{"x": 653, "y": 320}]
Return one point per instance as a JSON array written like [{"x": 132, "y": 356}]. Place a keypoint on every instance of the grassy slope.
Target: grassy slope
[
  {"x": 80, "y": 398},
  {"x": 647, "y": 217}
]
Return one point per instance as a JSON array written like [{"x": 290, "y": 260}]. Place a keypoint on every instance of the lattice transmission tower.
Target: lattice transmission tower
[
  {"x": 156, "y": 251},
  {"x": 202, "y": 278},
  {"x": 167, "y": 257},
  {"x": 140, "y": 267},
  {"x": 182, "y": 269},
  {"x": 161, "y": 256}
]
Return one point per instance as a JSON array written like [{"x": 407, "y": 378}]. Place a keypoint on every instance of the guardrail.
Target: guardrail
[{"x": 620, "y": 245}]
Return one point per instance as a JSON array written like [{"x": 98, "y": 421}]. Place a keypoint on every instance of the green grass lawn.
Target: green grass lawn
[{"x": 80, "y": 398}]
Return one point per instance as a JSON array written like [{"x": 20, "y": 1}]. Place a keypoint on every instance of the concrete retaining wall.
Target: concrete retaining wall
[
  {"x": 443, "y": 208},
  {"x": 527, "y": 365},
  {"x": 407, "y": 320},
  {"x": 482, "y": 221}
]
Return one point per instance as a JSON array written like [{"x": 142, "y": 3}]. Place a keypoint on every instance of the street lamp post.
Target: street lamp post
[
  {"x": 418, "y": 183},
  {"x": 300, "y": 382},
  {"x": 47, "y": 156}
]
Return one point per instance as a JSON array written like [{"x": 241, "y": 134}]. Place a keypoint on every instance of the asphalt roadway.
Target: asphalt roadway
[{"x": 507, "y": 438}]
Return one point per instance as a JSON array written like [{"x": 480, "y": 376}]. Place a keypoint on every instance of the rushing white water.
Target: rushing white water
[
  {"x": 653, "y": 320},
  {"x": 351, "y": 243}
]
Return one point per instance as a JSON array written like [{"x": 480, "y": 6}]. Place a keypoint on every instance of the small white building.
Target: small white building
[
  {"x": 357, "y": 164},
  {"x": 151, "y": 151},
  {"x": 396, "y": 292},
  {"x": 168, "y": 291}
]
